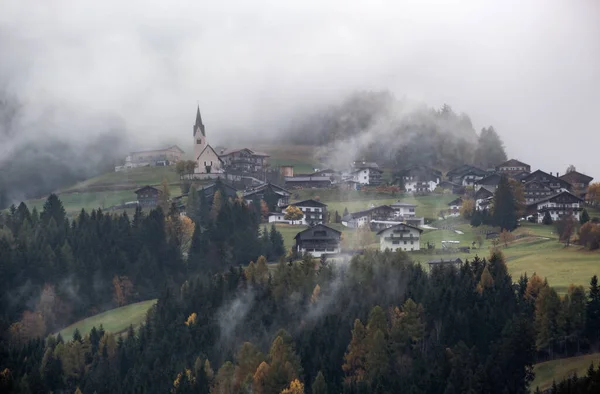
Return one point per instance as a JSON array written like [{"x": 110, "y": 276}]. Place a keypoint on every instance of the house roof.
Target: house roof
[
  {"x": 457, "y": 201},
  {"x": 445, "y": 261},
  {"x": 576, "y": 177},
  {"x": 366, "y": 164},
  {"x": 360, "y": 168},
  {"x": 365, "y": 212},
  {"x": 492, "y": 179},
  {"x": 554, "y": 196},
  {"x": 531, "y": 184},
  {"x": 230, "y": 151},
  {"x": 211, "y": 148},
  {"x": 398, "y": 226},
  {"x": 513, "y": 163},
  {"x": 420, "y": 169},
  {"x": 275, "y": 188},
  {"x": 317, "y": 226},
  {"x": 402, "y": 204},
  {"x": 458, "y": 170},
  {"x": 307, "y": 203},
  {"x": 307, "y": 179},
  {"x": 483, "y": 193},
  {"x": 551, "y": 178},
  {"x": 147, "y": 187}
]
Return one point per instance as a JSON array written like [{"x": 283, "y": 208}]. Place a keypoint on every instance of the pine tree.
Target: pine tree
[
  {"x": 277, "y": 245},
  {"x": 593, "y": 311},
  {"x": 584, "y": 217},
  {"x": 547, "y": 219},
  {"x": 319, "y": 386},
  {"x": 53, "y": 209},
  {"x": 193, "y": 205},
  {"x": 164, "y": 195},
  {"x": 505, "y": 206}
]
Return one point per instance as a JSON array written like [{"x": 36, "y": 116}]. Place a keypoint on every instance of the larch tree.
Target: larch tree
[
  {"x": 217, "y": 205},
  {"x": 296, "y": 387},
  {"x": 293, "y": 213},
  {"x": 354, "y": 360}
]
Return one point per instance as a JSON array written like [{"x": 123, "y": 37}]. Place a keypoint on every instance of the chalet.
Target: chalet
[
  {"x": 157, "y": 157},
  {"x": 466, "y": 175},
  {"x": 453, "y": 187},
  {"x": 315, "y": 212},
  {"x": 259, "y": 193},
  {"x": 400, "y": 237},
  {"x": 328, "y": 172},
  {"x": 445, "y": 262},
  {"x": 558, "y": 205},
  {"x": 148, "y": 196},
  {"x": 383, "y": 213},
  {"x": 535, "y": 190},
  {"x": 483, "y": 197},
  {"x": 404, "y": 209},
  {"x": 419, "y": 179},
  {"x": 318, "y": 240},
  {"x": 580, "y": 182},
  {"x": 243, "y": 160},
  {"x": 455, "y": 206},
  {"x": 490, "y": 183},
  {"x": 519, "y": 176},
  {"x": 308, "y": 181},
  {"x": 554, "y": 183},
  {"x": 513, "y": 166},
  {"x": 365, "y": 175}
]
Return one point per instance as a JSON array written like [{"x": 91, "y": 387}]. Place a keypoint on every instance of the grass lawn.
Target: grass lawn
[
  {"x": 299, "y": 156},
  {"x": 558, "y": 370},
  {"x": 133, "y": 177},
  {"x": 116, "y": 320}
]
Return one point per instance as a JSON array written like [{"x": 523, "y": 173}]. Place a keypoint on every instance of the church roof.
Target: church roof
[
  {"x": 198, "y": 123},
  {"x": 211, "y": 148}
]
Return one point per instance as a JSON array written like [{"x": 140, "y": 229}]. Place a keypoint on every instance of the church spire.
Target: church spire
[{"x": 199, "y": 124}]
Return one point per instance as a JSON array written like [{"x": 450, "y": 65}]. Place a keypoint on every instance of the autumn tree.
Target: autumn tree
[
  {"x": 216, "y": 205},
  {"x": 467, "y": 208},
  {"x": 589, "y": 235},
  {"x": 264, "y": 209},
  {"x": 565, "y": 228},
  {"x": 506, "y": 237},
  {"x": 593, "y": 193},
  {"x": 296, "y": 387},
  {"x": 123, "y": 290},
  {"x": 31, "y": 325},
  {"x": 355, "y": 358},
  {"x": 363, "y": 237},
  {"x": 293, "y": 213}
]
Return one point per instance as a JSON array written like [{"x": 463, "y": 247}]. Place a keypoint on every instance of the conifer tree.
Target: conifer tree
[
  {"x": 584, "y": 217},
  {"x": 593, "y": 311},
  {"x": 319, "y": 386},
  {"x": 164, "y": 196},
  {"x": 193, "y": 205},
  {"x": 547, "y": 219},
  {"x": 277, "y": 245},
  {"x": 505, "y": 206}
]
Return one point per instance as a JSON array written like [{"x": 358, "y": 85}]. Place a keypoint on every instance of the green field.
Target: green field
[
  {"x": 547, "y": 372},
  {"x": 299, "y": 156},
  {"x": 130, "y": 179},
  {"x": 115, "y": 320}
]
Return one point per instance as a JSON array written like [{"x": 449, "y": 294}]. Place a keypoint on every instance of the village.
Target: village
[{"x": 246, "y": 173}]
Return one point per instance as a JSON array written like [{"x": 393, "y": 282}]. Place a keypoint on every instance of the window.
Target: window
[
  {"x": 395, "y": 242},
  {"x": 405, "y": 242},
  {"x": 199, "y": 141}
]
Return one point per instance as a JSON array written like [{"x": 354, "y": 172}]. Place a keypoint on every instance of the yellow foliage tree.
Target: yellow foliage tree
[
  {"x": 486, "y": 281},
  {"x": 296, "y": 387},
  {"x": 467, "y": 207},
  {"x": 260, "y": 378},
  {"x": 250, "y": 272},
  {"x": 506, "y": 237},
  {"x": 593, "y": 193},
  {"x": 534, "y": 287},
  {"x": 293, "y": 213},
  {"x": 262, "y": 270},
  {"x": 191, "y": 320},
  {"x": 216, "y": 206},
  {"x": 108, "y": 340}
]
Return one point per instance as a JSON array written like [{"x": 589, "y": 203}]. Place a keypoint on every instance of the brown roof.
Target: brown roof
[
  {"x": 577, "y": 177},
  {"x": 513, "y": 163}
]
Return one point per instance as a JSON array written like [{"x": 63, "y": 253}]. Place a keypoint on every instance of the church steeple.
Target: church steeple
[{"x": 199, "y": 124}]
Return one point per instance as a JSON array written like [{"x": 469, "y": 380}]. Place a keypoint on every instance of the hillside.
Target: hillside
[
  {"x": 115, "y": 320},
  {"x": 557, "y": 370}
]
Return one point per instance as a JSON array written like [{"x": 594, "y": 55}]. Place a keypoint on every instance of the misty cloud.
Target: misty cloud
[{"x": 529, "y": 69}]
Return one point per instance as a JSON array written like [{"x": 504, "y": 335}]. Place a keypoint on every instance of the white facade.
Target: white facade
[
  {"x": 404, "y": 209},
  {"x": 362, "y": 176},
  {"x": 400, "y": 237},
  {"x": 319, "y": 253},
  {"x": 557, "y": 210},
  {"x": 312, "y": 215},
  {"x": 356, "y": 222},
  {"x": 413, "y": 186},
  {"x": 209, "y": 162}
]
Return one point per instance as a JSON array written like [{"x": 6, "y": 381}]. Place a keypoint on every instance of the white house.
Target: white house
[
  {"x": 383, "y": 213},
  {"x": 419, "y": 179},
  {"x": 400, "y": 237},
  {"x": 455, "y": 206},
  {"x": 558, "y": 205},
  {"x": 315, "y": 212},
  {"x": 483, "y": 198},
  {"x": 365, "y": 176},
  {"x": 404, "y": 209}
]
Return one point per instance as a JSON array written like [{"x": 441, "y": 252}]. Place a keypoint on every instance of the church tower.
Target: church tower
[{"x": 199, "y": 135}]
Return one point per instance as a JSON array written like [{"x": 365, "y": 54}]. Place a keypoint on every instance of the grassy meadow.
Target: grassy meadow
[
  {"x": 115, "y": 320},
  {"x": 557, "y": 370}
]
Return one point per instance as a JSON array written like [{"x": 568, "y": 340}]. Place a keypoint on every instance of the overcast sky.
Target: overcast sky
[{"x": 529, "y": 68}]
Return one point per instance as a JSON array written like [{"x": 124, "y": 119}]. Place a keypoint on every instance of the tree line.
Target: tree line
[{"x": 54, "y": 271}]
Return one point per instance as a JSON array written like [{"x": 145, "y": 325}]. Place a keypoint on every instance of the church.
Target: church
[
  {"x": 207, "y": 158},
  {"x": 234, "y": 161}
]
